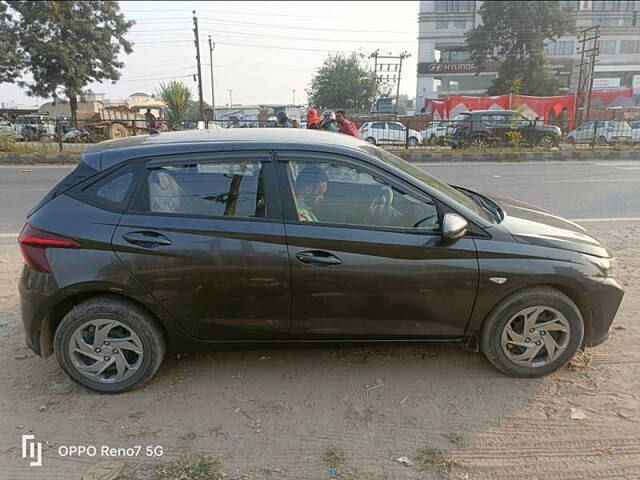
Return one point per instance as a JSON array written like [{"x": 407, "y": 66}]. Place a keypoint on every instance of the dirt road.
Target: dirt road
[{"x": 291, "y": 413}]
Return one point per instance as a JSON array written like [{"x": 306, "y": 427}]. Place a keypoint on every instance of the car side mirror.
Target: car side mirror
[{"x": 453, "y": 226}]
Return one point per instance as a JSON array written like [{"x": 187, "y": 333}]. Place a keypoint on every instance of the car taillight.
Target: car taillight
[{"x": 33, "y": 244}]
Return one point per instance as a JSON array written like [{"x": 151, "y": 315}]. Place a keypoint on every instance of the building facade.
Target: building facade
[{"x": 444, "y": 65}]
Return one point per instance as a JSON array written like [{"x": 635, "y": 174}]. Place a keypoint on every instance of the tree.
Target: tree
[
  {"x": 514, "y": 33},
  {"x": 343, "y": 82},
  {"x": 10, "y": 55},
  {"x": 179, "y": 100},
  {"x": 67, "y": 45}
]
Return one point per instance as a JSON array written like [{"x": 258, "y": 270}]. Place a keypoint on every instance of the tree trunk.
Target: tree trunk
[{"x": 73, "y": 105}]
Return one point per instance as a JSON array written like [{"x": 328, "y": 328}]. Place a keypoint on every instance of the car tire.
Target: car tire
[
  {"x": 371, "y": 140},
  {"x": 125, "y": 325},
  {"x": 547, "y": 141},
  {"x": 601, "y": 141},
  {"x": 571, "y": 140},
  {"x": 508, "y": 347},
  {"x": 478, "y": 142},
  {"x": 413, "y": 142}
]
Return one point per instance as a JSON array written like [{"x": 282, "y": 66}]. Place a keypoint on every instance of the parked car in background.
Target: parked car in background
[
  {"x": 389, "y": 133},
  {"x": 34, "y": 128},
  {"x": 482, "y": 128},
  {"x": 6, "y": 129},
  {"x": 635, "y": 127},
  {"x": 602, "y": 132},
  {"x": 190, "y": 240},
  {"x": 436, "y": 129}
]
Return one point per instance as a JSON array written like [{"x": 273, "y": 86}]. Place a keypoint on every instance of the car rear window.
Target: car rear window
[{"x": 77, "y": 175}]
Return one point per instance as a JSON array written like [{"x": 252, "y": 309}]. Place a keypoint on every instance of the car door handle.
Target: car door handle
[
  {"x": 318, "y": 257},
  {"x": 146, "y": 239}
]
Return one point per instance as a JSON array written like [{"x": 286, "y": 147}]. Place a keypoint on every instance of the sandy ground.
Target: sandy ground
[{"x": 275, "y": 413}]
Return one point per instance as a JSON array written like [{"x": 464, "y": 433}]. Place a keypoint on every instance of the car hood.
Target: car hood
[{"x": 536, "y": 226}]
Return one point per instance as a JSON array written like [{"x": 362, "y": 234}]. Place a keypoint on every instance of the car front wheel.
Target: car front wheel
[
  {"x": 479, "y": 142},
  {"x": 413, "y": 142},
  {"x": 532, "y": 333},
  {"x": 109, "y": 344},
  {"x": 371, "y": 140}
]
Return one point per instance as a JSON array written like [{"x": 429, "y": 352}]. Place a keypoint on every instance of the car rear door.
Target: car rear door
[
  {"x": 361, "y": 270},
  {"x": 205, "y": 237}
]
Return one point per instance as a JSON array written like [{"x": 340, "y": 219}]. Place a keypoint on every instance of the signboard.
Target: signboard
[
  {"x": 385, "y": 104},
  {"x": 586, "y": 4},
  {"x": 441, "y": 68},
  {"x": 635, "y": 84},
  {"x": 603, "y": 83}
]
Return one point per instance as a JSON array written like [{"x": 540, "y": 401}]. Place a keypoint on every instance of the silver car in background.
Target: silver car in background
[{"x": 602, "y": 132}]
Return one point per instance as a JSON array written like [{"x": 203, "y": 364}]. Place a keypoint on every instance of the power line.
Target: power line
[{"x": 293, "y": 27}]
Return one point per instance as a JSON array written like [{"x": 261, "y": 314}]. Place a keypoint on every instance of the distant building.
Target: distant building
[{"x": 445, "y": 67}]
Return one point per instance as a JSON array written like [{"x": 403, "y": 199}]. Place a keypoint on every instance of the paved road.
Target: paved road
[{"x": 577, "y": 190}]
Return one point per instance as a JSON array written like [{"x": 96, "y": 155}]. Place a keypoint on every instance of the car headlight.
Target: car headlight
[{"x": 607, "y": 266}]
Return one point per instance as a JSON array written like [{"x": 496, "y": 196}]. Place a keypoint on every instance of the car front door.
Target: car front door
[
  {"x": 367, "y": 259},
  {"x": 585, "y": 133},
  {"x": 396, "y": 133},
  {"x": 205, "y": 237}
]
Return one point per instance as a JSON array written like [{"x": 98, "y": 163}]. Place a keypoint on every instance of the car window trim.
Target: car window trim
[
  {"x": 272, "y": 194},
  {"x": 290, "y": 213}
]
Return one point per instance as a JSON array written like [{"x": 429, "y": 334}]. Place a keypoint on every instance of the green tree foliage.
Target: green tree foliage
[
  {"x": 10, "y": 55},
  {"x": 179, "y": 100},
  {"x": 343, "y": 81},
  {"x": 514, "y": 33},
  {"x": 66, "y": 45}
]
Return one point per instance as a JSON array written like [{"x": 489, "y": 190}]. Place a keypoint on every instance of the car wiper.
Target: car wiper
[{"x": 486, "y": 203}]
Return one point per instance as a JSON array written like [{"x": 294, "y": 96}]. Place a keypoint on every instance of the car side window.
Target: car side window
[
  {"x": 111, "y": 191},
  {"x": 336, "y": 193},
  {"x": 224, "y": 189},
  {"x": 395, "y": 126},
  {"x": 378, "y": 125}
]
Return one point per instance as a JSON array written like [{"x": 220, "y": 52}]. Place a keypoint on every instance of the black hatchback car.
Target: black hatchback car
[
  {"x": 482, "y": 128},
  {"x": 186, "y": 241}
]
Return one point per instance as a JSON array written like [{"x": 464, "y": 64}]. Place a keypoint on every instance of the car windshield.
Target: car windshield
[{"x": 429, "y": 180}]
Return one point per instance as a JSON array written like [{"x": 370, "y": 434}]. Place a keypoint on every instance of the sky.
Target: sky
[{"x": 263, "y": 50}]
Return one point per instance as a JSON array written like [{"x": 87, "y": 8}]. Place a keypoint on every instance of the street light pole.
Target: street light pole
[
  {"x": 294, "y": 96},
  {"x": 212, "y": 45},
  {"x": 230, "y": 98}
]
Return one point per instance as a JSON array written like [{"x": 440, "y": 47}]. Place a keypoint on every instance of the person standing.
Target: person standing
[
  {"x": 346, "y": 126},
  {"x": 328, "y": 122},
  {"x": 283, "y": 120},
  {"x": 313, "y": 119}
]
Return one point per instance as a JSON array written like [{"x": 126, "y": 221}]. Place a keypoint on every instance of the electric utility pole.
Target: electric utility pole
[
  {"x": 230, "y": 98},
  {"x": 197, "y": 42},
  {"x": 294, "y": 96},
  {"x": 212, "y": 45},
  {"x": 387, "y": 69},
  {"x": 589, "y": 50}
]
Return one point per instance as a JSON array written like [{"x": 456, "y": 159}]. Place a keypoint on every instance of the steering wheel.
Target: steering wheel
[{"x": 381, "y": 206}]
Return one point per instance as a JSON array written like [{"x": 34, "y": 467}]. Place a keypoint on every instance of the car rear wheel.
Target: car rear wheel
[
  {"x": 109, "y": 344},
  {"x": 413, "y": 142},
  {"x": 479, "y": 142},
  {"x": 571, "y": 140},
  {"x": 601, "y": 141},
  {"x": 532, "y": 333},
  {"x": 371, "y": 140},
  {"x": 546, "y": 141}
]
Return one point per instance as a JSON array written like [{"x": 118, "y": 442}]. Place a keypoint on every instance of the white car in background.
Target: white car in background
[
  {"x": 635, "y": 128},
  {"x": 380, "y": 133},
  {"x": 602, "y": 132},
  {"x": 436, "y": 129}
]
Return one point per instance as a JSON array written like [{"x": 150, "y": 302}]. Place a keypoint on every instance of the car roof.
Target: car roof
[
  {"x": 493, "y": 112},
  {"x": 112, "y": 152},
  {"x": 257, "y": 135}
]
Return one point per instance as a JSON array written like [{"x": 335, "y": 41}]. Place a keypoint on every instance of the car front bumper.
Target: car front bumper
[{"x": 606, "y": 300}]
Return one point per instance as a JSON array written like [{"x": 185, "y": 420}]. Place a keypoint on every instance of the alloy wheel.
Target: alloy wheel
[
  {"x": 106, "y": 351},
  {"x": 535, "y": 336},
  {"x": 546, "y": 141}
]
